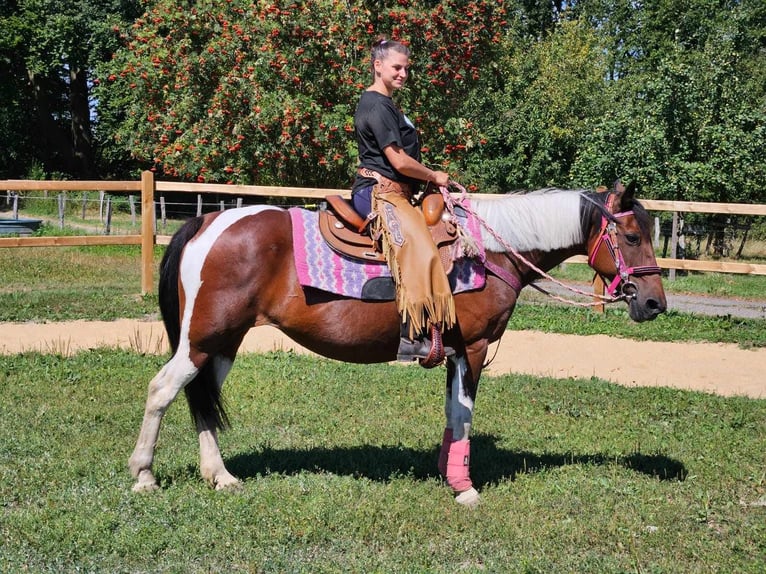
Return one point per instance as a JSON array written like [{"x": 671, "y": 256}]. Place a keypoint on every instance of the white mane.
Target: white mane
[{"x": 547, "y": 219}]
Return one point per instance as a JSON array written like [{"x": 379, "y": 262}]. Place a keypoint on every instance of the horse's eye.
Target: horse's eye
[{"x": 633, "y": 238}]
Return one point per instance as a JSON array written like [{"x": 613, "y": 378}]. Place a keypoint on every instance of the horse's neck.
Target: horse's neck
[{"x": 550, "y": 259}]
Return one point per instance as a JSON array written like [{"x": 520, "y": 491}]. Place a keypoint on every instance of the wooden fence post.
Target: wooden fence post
[
  {"x": 673, "y": 245},
  {"x": 162, "y": 212},
  {"x": 199, "y": 204},
  {"x": 147, "y": 232},
  {"x": 61, "y": 210},
  {"x": 108, "y": 227},
  {"x": 656, "y": 232},
  {"x": 599, "y": 288},
  {"x": 132, "y": 203},
  {"x": 15, "y": 208}
]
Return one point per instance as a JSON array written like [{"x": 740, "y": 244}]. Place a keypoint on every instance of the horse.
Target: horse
[{"x": 226, "y": 272}]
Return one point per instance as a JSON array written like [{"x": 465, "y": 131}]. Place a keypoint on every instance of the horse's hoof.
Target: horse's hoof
[
  {"x": 145, "y": 482},
  {"x": 228, "y": 484},
  {"x": 145, "y": 485},
  {"x": 141, "y": 487},
  {"x": 469, "y": 498}
]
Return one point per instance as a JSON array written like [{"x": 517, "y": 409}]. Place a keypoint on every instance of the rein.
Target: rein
[{"x": 608, "y": 237}]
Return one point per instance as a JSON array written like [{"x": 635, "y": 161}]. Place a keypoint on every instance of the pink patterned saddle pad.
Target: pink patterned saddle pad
[{"x": 322, "y": 268}]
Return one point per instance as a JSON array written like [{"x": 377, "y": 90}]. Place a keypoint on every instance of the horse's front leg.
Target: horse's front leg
[
  {"x": 454, "y": 456},
  {"x": 163, "y": 389}
]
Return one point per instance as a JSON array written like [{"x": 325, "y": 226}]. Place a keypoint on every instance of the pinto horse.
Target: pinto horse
[{"x": 226, "y": 272}]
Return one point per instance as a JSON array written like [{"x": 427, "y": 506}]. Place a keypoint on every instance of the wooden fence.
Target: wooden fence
[{"x": 149, "y": 188}]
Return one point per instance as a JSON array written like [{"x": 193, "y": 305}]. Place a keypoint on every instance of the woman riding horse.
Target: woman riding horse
[{"x": 389, "y": 173}]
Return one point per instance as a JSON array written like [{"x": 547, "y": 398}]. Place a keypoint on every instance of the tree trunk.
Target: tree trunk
[
  {"x": 82, "y": 138},
  {"x": 69, "y": 151}
]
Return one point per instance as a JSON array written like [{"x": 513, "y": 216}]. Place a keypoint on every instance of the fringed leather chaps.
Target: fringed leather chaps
[{"x": 423, "y": 292}]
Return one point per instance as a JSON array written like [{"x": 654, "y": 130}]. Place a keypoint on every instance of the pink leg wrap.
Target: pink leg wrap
[
  {"x": 444, "y": 452},
  {"x": 458, "y": 473}
]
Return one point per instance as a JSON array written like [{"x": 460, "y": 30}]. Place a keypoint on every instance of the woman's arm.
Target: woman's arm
[{"x": 410, "y": 167}]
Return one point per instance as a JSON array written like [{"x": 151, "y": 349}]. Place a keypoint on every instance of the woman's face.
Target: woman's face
[{"x": 392, "y": 70}]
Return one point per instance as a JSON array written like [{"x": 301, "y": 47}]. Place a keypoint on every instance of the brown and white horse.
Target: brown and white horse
[{"x": 226, "y": 272}]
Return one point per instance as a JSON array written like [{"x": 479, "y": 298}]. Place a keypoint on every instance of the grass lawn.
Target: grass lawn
[
  {"x": 339, "y": 461},
  {"x": 339, "y": 469}
]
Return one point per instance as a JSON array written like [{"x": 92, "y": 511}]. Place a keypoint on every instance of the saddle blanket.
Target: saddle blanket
[{"x": 322, "y": 268}]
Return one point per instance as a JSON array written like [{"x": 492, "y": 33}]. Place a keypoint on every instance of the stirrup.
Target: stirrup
[
  {"x": 429, "y": 352},
  {"x": 438, "y": 351}
]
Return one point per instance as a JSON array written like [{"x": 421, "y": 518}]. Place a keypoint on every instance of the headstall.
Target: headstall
[{"x": 608, "y": 239}]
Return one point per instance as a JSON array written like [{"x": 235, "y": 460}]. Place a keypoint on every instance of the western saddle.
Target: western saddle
[{"x": 348, "y": 233}]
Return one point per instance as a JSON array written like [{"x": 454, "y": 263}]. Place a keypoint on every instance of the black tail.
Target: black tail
[{"x": 202, "y": 392}]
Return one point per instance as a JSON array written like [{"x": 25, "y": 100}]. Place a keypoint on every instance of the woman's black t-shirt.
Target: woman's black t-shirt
[{"x": 379, "y": 123}]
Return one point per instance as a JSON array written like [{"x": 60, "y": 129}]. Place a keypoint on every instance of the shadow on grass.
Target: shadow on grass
[{"x": 489, "y": 464}]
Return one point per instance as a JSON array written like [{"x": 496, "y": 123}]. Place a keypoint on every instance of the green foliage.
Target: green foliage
[
  {"x": 339, "y": 469},
  {"x": 47, "y": 51},
  {"x": 508, "y": 95},
  {"x": 685, "y": 120}
]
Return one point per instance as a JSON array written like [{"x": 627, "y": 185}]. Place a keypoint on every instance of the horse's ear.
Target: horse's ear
[{"x": 625, "y": 195}]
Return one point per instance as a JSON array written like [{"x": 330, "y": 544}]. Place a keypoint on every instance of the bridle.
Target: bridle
[{"x": 608, "y": 240}]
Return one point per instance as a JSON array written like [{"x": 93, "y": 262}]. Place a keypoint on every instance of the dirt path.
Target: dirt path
[{"x": 716, "y": 368}]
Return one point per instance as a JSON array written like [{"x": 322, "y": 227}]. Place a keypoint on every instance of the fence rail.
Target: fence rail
[{"x": 149, "y": 237}]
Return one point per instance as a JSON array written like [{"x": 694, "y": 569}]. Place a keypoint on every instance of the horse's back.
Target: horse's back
[{"x": 244, "y": 223}]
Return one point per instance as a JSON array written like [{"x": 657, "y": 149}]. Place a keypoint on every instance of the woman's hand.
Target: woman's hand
[{"x": 440, "y": 178}]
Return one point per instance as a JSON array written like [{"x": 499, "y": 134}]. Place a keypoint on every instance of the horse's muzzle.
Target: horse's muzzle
[{"x": 645, "y": 309}]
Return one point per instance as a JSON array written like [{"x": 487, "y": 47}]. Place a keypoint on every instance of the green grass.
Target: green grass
[
  {"x": 709, "y": 284},
  {"x": 338, "y": 463},
  {"x": 66, "y": 283}
]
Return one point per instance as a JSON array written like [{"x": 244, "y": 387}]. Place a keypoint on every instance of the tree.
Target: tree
[
  {"x": 264, "y": 92},
  {"x": 534, "y": 120},
  {"x": 507, "y": 94},
  {"x": 17, "y": 147},
  {"x": 47, "y": 50},
  {"x": 687, "y": 107}
]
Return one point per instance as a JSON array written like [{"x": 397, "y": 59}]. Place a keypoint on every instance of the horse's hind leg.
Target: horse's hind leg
[
  {"x": 211, "y": 464},
  {"x": 163, "y": 389}
]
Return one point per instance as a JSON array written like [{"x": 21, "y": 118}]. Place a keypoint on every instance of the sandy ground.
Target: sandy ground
[{"x": 715, "y": 368}]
